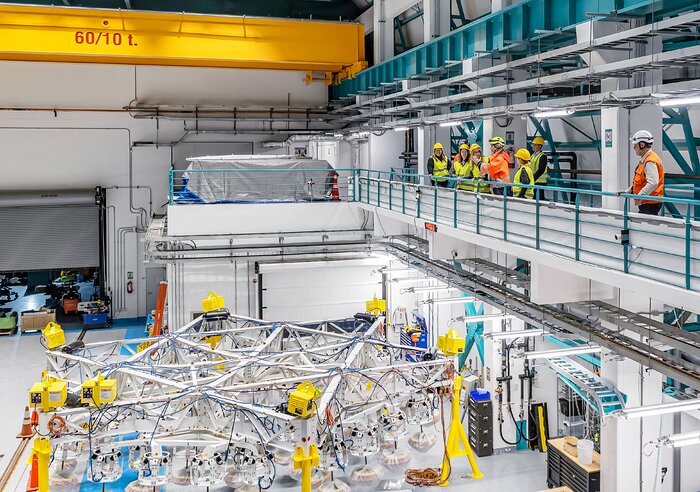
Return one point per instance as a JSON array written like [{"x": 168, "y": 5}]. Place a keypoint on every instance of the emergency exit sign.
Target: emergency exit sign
[{"x": 431, "y": 227}]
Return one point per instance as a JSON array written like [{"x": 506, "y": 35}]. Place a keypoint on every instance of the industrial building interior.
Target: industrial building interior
[{"x": 341, "y": 245}]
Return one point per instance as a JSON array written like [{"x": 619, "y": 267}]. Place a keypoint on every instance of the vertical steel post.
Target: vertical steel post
[
  {"x": 537, "y": 221},
  {"x": 578, "y": 230},
  {"x": 455, "y": 209}
]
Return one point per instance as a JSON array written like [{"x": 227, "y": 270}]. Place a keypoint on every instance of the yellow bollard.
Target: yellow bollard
[
  {"x": 455, "y": 437},
  {"x": 42, "y": 449},
  {"x": 306, "y": 462}
]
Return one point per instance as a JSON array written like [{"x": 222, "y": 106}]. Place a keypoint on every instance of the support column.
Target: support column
[
  {"x": 436, "y": 19},
  {"x": 618, "y": 158},
  {"x": 615, "y": 154},
  {"x": 380, "y": 31},
  {"x": 624, "y": 467}
]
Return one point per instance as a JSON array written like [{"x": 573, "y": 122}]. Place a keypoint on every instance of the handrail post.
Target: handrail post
[
  {"x": 505, "y": 213},
  {"x": 537, "y": 221},
  {"x": 171, "y": 180},
  {"x": 687, "y": 247},
  {"x": 478, "y": 206},
  {"x": 354, "y": 184},
  {"x": 455, "y": 208},
  {"x": 379, "y": 188},
  {"x": 403, "y": 197},
  {"x": 435, "y": 192},
  {"x": 625, "y": 219},
  {"x": 390, "y": 187},
  {"x": 577, "y": 245}
]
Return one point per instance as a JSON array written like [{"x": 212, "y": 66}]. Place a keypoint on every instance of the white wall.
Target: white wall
[{"x": 78, "y": 135}]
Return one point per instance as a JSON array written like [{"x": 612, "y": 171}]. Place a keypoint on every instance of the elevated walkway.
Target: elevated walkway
[{"x": 577, "y": 252}]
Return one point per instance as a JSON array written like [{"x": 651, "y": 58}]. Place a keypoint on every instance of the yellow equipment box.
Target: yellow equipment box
[
  {"x": 212, "y": 302},
  {"x": 303, "y": 399},
  {"x": 47, "y": 394},
  {"x": 451, "y": 343},
  {"x": 98, "y": 391},
  {"x": 376, "y": 306},
  {"x": 54, "y": 336}
]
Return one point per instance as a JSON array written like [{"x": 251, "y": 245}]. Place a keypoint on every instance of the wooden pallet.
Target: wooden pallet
[{"x": 8, "y": 333}]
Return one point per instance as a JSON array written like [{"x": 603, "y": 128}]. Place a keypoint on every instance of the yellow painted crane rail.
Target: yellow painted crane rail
[{"x": 69, "y": 34}]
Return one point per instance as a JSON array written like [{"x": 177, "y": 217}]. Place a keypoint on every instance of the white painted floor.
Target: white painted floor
[{"x": 21, "y": 363}]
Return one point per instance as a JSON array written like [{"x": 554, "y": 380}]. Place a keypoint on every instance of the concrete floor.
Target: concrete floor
[
  {"x": 22, "y": 360},
  {"x": 35, "y": 301}
]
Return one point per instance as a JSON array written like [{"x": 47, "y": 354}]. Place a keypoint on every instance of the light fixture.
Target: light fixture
[
  {"x": 680, "y": 440},
  {"x": 554, "y": 113},
  {"x": 426, "y": 289},
  {"x": 659, "y": 409},
  {"x": 338, "y": 135},
  {"x": 445, "y": 124},
  {"x": 551, "y": 354},
  {"x": 410, "y": 279},
  {"x": 506, "y": 335},
  {"x": 679, "y": 101},
  {"x": 485, "y": 317},
  {"x": 449, "y": 300},
  {"x": 400, "y": 128}
]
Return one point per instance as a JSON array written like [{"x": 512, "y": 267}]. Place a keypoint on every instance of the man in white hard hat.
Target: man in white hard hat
[{"x": 648, "y": 176}]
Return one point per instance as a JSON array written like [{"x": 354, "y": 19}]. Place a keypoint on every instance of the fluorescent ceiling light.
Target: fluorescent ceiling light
[
  {"x": 505, "y": 335},
  {"x": 400, "y": 128},
  {"x": 450, "y": 123},
  {"x": 485, "y": 317},
  {"x": 338, "y": 135},
  {"x": 427, "y": 288},
  {"x": 679, "y": 101},
  {"x": 411, "y": 279},
  {"x": 554, "y": 113},
  {"x": 660, "y": 409},
  {"x": 449, "y": 300},
  {"x": 551, "y": 354},
  {"x": 680, "y": 440}
]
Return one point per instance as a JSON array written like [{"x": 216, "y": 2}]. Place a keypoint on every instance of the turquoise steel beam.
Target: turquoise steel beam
[{"x": 497, "y": 31}]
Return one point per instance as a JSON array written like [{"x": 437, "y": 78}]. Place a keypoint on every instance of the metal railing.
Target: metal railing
[
  {"x": 659, "y": 248},
  {"x": 257, "y": 185}
]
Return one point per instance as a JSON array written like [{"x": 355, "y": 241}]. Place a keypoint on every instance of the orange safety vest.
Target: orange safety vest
[
  {"x": 498, "y": 167},
  {"x": 640, "y": 179}
]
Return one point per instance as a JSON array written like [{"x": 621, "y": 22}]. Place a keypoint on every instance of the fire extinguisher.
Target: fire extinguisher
[{"x": 130, "y": 286}]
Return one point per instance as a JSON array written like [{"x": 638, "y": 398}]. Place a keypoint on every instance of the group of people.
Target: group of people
[
  {"x": 474, "y": 168},
  {"x": 491, "y": 174}
]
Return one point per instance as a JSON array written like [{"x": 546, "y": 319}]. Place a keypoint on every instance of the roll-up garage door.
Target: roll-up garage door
[
  {"x": 318, "y": 290},
  {"x": 49, "y": 231}
]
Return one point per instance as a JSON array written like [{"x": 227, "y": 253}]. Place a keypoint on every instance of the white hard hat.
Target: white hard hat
[{"x": 642, "y": 136}]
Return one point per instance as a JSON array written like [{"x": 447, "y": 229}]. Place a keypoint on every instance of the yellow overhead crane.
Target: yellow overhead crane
[{"x": 327, "y": 51}]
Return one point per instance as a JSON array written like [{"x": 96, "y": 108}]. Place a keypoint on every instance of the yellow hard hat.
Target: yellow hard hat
[
  {"x": 437, "y": 146},
  {"x": 464, "y": 147},
  {"x": 538, "y": 141},
  {"x": 497, "y": 141},
  {"x": 523, "y": 154},
  {"x": 474, "y": 147}
]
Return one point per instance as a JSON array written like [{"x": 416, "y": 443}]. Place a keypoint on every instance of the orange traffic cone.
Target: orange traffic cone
[
  {"x": 33, "y": 482},
  {"x": 27, "y": 430},
  {"x": 335, "y": 193}
]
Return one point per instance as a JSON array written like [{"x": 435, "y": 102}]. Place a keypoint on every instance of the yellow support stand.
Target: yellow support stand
[
  {"x": 305, "y": 462},
  {"x": 455, "y": 437},
  {"x": 42, "y": 449}
]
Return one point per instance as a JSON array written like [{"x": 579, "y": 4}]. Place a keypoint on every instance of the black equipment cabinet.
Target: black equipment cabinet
[{"x": 563, "y": 469}]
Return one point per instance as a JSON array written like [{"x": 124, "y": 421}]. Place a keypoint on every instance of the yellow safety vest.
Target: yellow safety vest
[
  {"x": 468, "y": 170},
  {"x": 440, "y": 167},
  {"x": 534, "y": 164},
  {"x": 529, "y": 192}
]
